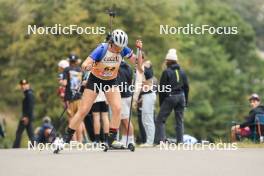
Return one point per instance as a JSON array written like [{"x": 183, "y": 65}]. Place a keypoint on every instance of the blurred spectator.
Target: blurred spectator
[
  {"x": 61, "y": 66},
  {"x": 246, "y": 129},
  {"x": 148, "y": 103},
  {"x": 125, "y": 81},
  {"x": 88, "y": 121},
  {"x": 2, "y": 130},
  {"x": 61, "y": 89},
  {"x": 27, "y": 114},
  {"x": 72, "y": 80},
  {"x": 100, "y": 114},
  {"x": 174, "y": 99},
  {"x": 142, "y": 133},
  {"x": 46, "y": 133}
]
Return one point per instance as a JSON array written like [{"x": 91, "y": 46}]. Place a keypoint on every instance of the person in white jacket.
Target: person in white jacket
[{"x": 144, "y": 86}]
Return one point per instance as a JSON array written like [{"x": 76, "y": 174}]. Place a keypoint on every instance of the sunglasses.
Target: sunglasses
[{"x": 109, "y": 68}]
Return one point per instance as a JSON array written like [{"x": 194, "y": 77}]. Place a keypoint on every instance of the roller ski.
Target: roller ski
[
  {"x": 119, "y": 146},
  {"x": 113, "y": 144}
]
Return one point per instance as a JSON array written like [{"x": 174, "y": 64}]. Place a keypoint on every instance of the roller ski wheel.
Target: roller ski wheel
[
  {"x": 131, "y": 147},
  {"x": 105, "y": 147},
  {"x": 56, "y": 151}
]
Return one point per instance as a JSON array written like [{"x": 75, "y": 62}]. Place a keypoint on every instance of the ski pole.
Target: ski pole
[
  {"x": 112, "y": 13},
  {"x": 60, "y": 120},
  {"x": 134, "y": 82}
]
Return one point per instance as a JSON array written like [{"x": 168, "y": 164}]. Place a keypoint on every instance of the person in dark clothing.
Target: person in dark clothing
[
  {"x": 46, "y": 132},
  {"x": 2, "y": 131},
  {"x": 27, "y": 114},
  {"x": 72, "y": 80},
  {"x": 176, "y": 99},
  {"x": 100, "y": 116},
  {"x": 88, "y": 122},
  {"x": 72, "y": 77},
  {"x": 124, "y": 79},
  {"x": 247, "y": 128},
  {"x": 142, "y": 133}
]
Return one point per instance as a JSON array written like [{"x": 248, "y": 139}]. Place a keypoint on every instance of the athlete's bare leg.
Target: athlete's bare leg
[
  {"x": 79, "y": 132},
  {"x": 86, "y": 103},
  {"x": 114, "y": 99}
]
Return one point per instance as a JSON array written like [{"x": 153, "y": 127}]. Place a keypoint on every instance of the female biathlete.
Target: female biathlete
[{"x": 104, "y": 63}]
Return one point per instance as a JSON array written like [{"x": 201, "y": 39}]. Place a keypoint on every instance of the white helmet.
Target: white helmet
[{"x": 119, "y": 38}]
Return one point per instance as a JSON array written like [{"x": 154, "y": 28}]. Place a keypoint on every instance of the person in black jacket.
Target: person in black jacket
[
  {"x": 124, "y": 79},
  {"x": 27, "y": 114},
  {"x": 246, "y": 129},
  {"x": 176, "y": 99}
]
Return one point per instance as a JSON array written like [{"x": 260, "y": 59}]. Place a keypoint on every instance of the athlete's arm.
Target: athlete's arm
[
  {"x": 133, "y": 58},
  {"x": 87, "y": 64},
  {"x": 95, "y": 56},
  {"x": 139, "y": 61}
]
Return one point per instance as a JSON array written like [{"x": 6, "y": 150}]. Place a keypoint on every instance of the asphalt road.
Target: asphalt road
[{"x": 142, "y": 162}]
